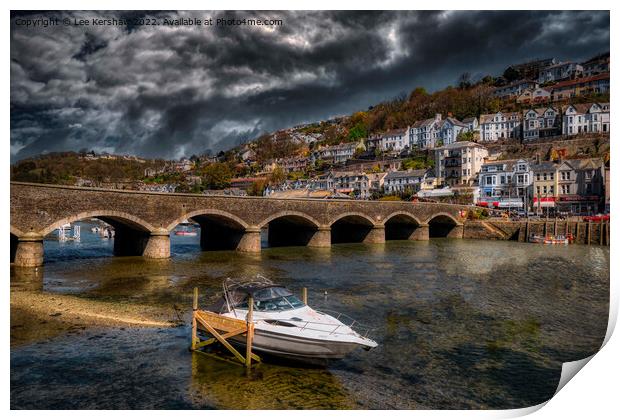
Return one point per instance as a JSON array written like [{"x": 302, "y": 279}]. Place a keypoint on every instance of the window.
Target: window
[
  {"x": 551, "y": 189},
  {"x": 544, "y": 189},
  {"x": 538, "y": 177},
  {"x": 545, "y": 176},
  {"x": 551, "y": 176}
]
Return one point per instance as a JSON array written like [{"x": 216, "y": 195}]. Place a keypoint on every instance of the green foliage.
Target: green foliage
[
  {"x": 358, "y": 132},
  {"x": 418, "y": 162},
  {"x": 278, "y": 176},
  {"x": 390, "y": 198},
  {"x": 216, "y": 176},
  {"x": 257, "y": 188},
  {"x": 465, "y": 136},
  {"x": 477, "y": 213},
  {"x": 510, "y": 74}
]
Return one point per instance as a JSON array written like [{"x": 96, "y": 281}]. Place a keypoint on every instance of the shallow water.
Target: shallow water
[{"x": 460, "y": 324}]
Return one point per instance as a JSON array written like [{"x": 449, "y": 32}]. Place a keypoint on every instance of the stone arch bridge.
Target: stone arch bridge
[{"x": 143, "y": 220}]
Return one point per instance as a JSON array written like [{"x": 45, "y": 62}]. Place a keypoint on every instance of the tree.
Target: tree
[
  {"x": 510, "y": 74},
  {"x": 277, "y": 176},
  {"x": 358, "y": 132},
  {"x": 216, "y": 176},
  {"x": 464, "y": 80}
]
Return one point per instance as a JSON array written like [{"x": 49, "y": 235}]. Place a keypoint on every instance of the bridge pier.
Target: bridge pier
[
  {"x": 250, "y": 240},
  {"x": 456, "y": 232},
  {"x": 376, "y": 235},
  {"x": 29, "y": 251},
  {"x": 322, "y": 238},
  {"x": 158, "y": 245},
  {"x": 421, "y": 233}
]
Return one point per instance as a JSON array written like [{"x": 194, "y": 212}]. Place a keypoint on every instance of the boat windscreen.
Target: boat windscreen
[{"x": 270, "y": 293}]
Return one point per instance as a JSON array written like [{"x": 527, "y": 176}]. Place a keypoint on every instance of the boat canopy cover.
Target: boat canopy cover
[{"x": 260, "y": 288}]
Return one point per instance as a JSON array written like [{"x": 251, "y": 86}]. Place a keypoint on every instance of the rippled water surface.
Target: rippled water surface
[{"x": 460, "y": 324}]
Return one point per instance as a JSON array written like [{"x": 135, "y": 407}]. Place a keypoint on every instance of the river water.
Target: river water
[{"x": 460, "y": 324}]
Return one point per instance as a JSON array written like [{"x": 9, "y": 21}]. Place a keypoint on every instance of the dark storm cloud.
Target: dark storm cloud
[{"x": 174, "y": 91}]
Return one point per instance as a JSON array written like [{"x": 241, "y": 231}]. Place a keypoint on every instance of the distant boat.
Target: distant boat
[
  {"x": 550, "y": 239},
  {"x": 186, "y": 233}
]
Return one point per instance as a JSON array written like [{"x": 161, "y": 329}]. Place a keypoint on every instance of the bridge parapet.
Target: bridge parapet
[{"x": 144, "y": 220}]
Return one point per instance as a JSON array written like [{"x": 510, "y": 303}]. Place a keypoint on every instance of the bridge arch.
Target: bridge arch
[
  {"x": 219, "y": 230},
  {"x": 208, "y": 212},
  {"x": 290, "y": 228},
  {"x": 401, "y": 225},
  {"x": 444, "y": 225},
  {"x": 112, "y": 217},
  {"x": 353, "y": 227}
]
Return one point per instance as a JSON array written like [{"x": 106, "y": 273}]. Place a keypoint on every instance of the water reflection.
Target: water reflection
[{"x": 461, "y": 324}]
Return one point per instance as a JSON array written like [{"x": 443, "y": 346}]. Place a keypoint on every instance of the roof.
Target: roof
[
  {"x": 539, "y": 111},
  {"x": 584, "y": 108},
  {"x": 403, "y": 174},
  {"x": 564, "y": 63},
  {"x": 486, "y": 118},
  {"x": 469, "y": 119},
  {"x": 580, "y": 164},
  {"x": 566, "y": 83},
  {"x": 543, "y": 166},
  {"x": 394, "y": 132},
  {"x": 423, "y": 123},
  {"x": 454, "y": 121},
  {"x": 460, "y": 145}
]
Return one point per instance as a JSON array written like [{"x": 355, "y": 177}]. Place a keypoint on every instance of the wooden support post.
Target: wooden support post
[
  {"x": 304, "y": 295},
  {"x": 566, "y": 225},
  {"x": 194, "y": 322},
  {"x": 607, "y": 233},
  {"x": 600, "y": 233},
  {"x": 527, "y": 231},
  {"x": 577, "y": 233},
  {"x": 250, "y": 333},
  {"x": 555, "y": 226},
  {"x": 589, "y": 232}
]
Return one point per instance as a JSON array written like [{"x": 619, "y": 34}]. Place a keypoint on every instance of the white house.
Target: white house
[
  {"x": 471, "y": 123},
  {"x": 501, "y": 125},
  {"x": 425, "y": 133},
  {"x": 449, "y": 130},
  {"x": 514, "y": 89},
  {"x": 400, "y": 181},
  {"x": 459, "y": 163},
  {"x": 537, "y": 95},
  {"x": 540, "y": 122},
  {"x": 560, "y": 71},
  {"x": 585, "y": 118},
  {"x": 396, "y": 140},
  {"x": 506, "y": 183}
]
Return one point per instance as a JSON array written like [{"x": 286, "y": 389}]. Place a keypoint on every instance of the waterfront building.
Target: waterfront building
[
  {"x": 541, "y": 123},
  {"x": 560, "y": 71},
  {"x": 578, "y": 87},
  {"x": 459, "y": 163},
  {"x": 500, "y": 126},
  {"x": 580, "y": 186},
  {"x": 544, "y": 187},
  {"x": 506, "y": 183},
  {"x": 398, "y": 182},
  {"x": 585, "y": 118}
]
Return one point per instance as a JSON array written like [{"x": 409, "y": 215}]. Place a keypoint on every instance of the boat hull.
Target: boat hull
[{"x": 286, "y": 346}]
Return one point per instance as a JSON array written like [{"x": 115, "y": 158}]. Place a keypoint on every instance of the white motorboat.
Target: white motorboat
[{"x": 288, "y": 328}]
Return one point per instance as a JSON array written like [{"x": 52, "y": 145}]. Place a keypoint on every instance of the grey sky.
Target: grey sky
[{"x": 175, "y": 91}]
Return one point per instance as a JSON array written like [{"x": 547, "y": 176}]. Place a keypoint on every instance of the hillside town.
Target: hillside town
[{"x": 542, "y": 151}]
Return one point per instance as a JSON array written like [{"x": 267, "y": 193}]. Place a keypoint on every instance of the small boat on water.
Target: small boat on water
[
  {"x": 551, "y": 239},
  {"x": 185, "y": 233},
  {"x": 288, "y": 328}
]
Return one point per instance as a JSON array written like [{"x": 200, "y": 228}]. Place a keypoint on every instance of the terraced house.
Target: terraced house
[
  {"x": 398, "y": 182},
  {"x": 541, "y": 123},
  {"x": 585, "y": 118},
  {"x": 506, "y": 183},
  {"x": 426, "y": 133},
  {"x": 499, "y": 126},
  {"x": 459, "y": 163},
  {"x": 578, "y": 87}
]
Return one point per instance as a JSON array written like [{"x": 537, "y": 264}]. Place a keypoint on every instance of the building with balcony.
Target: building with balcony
[{"x": 459, "y": 163}]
